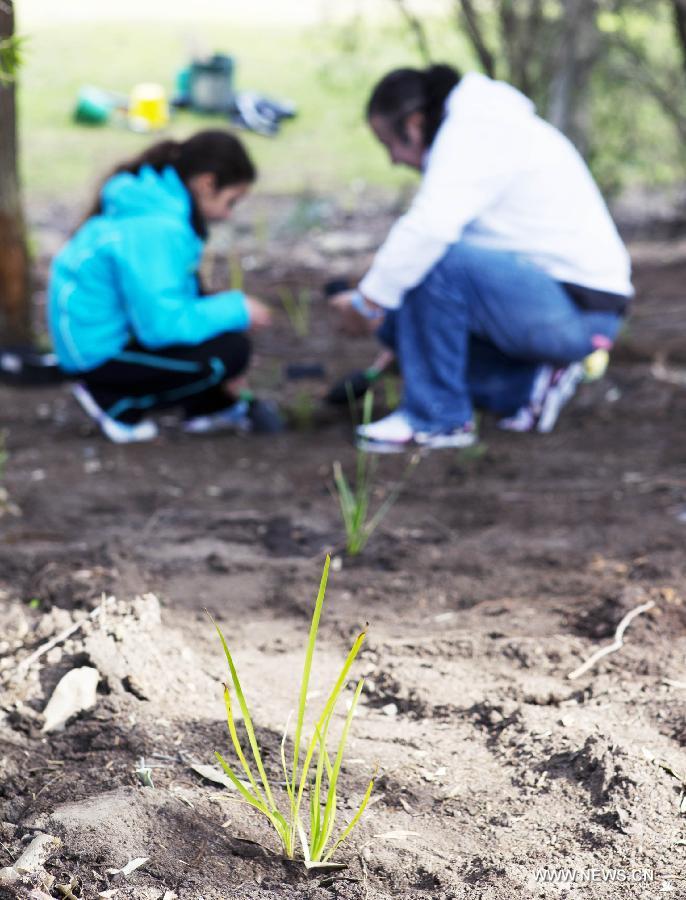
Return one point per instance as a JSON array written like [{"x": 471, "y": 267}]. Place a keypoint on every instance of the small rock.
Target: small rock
[
  {"x": 390, "y": 709},
  {"x": 509, "y": 708},
  {"x": 74, "y": 693}
]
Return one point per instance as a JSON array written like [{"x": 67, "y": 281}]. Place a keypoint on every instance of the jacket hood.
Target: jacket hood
[
  {"x": 477, "y": 94},
  {"x": 148, "y": 191}
]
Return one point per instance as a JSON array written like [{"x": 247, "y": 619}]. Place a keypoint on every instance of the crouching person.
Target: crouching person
[
  {"x": 125, "y": 307},
  {"x": 505, "y": 272}
]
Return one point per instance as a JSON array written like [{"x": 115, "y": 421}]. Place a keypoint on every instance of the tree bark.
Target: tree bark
[
  {"x": 476, "y": 36},
  {"x": 15, "y": 319},
  {"x": 679, "y": 17},
  {"x": 417, "y": 30},
  {"x": 578, "y": 51}
]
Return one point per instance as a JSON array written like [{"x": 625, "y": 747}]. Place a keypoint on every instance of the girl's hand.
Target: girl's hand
[
  {"x": 349, "y": 319},
  {"x": 259, "y": 313}
]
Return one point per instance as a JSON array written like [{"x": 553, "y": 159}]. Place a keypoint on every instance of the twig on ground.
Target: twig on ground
[
  {"x": 62, "y": 636},
  {"x": 616, "y": 644},
  {"x": 365, "y": 874},
  {"x": 32, "y": 860}
]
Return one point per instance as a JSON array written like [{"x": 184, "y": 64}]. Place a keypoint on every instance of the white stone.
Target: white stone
[{"x": 75, "y": 692}]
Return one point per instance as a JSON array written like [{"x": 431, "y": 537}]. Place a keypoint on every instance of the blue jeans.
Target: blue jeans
[{"x": 476, "y": 330}]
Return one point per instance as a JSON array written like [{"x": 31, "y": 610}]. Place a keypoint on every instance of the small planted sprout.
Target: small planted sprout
[
  {"x": 391, "y": 392},
  {"x": 235, "y": 273},
  {"x": 354, "y": 498},
  {"x": 302, "y": 411},
  {"x": 4, "y": 455},
  {"x": 297, "y": 306},
  {"x": 310, "y": 769}
]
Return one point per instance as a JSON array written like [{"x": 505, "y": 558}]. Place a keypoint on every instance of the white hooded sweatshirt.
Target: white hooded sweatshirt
[{"x": 500, "y": 177}]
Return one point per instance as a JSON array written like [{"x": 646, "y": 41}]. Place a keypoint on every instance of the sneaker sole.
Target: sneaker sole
[
  {"x": 386, "y": 447},
  {"x": 446, "y": 441}
]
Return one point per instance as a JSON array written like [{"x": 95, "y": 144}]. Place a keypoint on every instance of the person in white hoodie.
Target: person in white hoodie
[{"x": 504, "y": 273}]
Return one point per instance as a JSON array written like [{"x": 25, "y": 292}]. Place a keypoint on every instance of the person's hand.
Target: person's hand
[
  {"x": 259, "y": 313},
  {"x": 349, "y": 319}
]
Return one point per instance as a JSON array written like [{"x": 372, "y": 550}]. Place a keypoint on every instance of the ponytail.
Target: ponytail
[
  {"x": 215, "y": 151},
  {"x": 405, "y": 91}
]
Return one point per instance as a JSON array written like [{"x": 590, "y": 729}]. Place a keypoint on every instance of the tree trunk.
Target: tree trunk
[
  {"x": 679, "y": 17},
  {"x": 579, "y": 50},
  {"x": 474, "y": 31},
  {"x": 15, "y": 326}
]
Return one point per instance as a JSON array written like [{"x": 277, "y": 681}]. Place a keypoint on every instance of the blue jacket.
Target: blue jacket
[{"x": 130, "y": 273}]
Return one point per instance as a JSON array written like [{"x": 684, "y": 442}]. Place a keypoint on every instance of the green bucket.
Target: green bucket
[{"x": 93, "y": 106}]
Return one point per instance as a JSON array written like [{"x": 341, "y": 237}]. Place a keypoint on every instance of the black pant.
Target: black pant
[{"x": 190, "y": 376}]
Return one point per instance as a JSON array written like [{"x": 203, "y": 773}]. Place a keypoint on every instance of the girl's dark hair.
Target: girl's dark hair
[
  {"x": 405, "y": 91},
  {"x": 215, "y": 151}
]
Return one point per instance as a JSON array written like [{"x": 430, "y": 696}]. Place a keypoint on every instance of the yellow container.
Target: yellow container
[
  {"x": 148, "y": 108},
  {"x": 595, "y": 365}
]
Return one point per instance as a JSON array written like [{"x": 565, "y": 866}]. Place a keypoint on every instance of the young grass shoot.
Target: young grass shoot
[
  {"x": 297, "y": 305},
  {"x": 306, "y": 817},
  {"x": 354, "y": 498}
]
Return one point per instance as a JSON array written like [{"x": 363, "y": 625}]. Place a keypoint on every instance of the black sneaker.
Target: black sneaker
[{"x": 265, "y": 417}]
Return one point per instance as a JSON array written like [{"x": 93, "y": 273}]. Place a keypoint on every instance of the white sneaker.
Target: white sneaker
[
  {"x": 465, "y": 436},
  {"x": 552, "y": 388},
  {"x": 392, "y": 434},
  {"x": 562, "y": 387},
  {"x": 116, "y": 431}
]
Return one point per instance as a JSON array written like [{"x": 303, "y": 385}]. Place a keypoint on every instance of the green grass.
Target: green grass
[
  {"x": 311, "y": 772},
  {"x": 326, "y": 148},
  {"x": 297, "y": 305},
  {"x": 327, "y": 70},
  {"x": 301, "y": 411},
  {"x": 3, "y": 455},
  {"x": 355, "y": 495}
]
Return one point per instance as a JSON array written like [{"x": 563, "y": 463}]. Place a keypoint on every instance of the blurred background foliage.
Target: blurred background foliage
[{"x": 611, "y": 73}]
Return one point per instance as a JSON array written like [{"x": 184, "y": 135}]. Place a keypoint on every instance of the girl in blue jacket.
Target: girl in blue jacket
[{"x": 125, "y": 306}]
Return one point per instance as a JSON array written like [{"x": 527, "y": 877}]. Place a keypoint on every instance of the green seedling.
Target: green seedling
[
  {"x": 354, "y": 499},
  {"x": 473, "y": 454},
  {"x": 391, "y": 392},
  {"x": 4, "y": 455},
  {"x": 297, "y": 307},
  {"x": 308, "y": 213},
  {"x": 261, "y": 231},
  {"x": 302, "y": 411},
  {"x": 311, "y": 771},
  {"x": 235, "y": 273}
]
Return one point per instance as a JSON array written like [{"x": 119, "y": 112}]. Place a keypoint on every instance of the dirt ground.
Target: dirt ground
[{"x": 495, "y": 575}]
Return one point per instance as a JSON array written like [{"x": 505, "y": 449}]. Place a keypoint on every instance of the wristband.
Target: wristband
[{"x": 359, "y": 304}]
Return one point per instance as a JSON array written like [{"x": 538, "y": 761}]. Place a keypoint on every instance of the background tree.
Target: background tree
[
  {"x": 585, "y": 63},
  {"x": 14, "y": 265}
]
